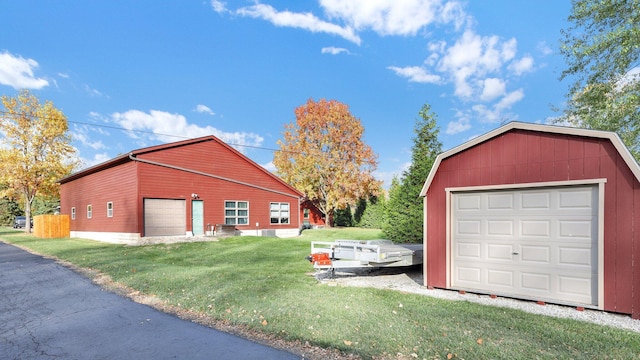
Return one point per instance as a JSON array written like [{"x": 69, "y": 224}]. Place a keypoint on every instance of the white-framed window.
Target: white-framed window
[
  {"x": 110, "y": 209},
  {"x": 89, "y": 211},
  {"x": 279, "y": 213},
  {"x": 305, "y": 214},
  {"x": 236, "y": 212},
  {"x": 73, "y": 213}
]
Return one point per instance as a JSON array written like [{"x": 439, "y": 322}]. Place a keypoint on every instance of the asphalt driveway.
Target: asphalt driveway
[{"x": 48, "y": 311}]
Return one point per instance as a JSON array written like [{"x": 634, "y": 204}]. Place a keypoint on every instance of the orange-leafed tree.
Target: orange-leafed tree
[
  {"x": 323, "y": 155},
  {"x": 36, "y": 150}
]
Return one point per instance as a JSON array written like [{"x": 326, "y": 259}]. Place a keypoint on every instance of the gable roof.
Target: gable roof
[
  {"x": 611, "y": 136},
  {"x": 132, "y": 156}
]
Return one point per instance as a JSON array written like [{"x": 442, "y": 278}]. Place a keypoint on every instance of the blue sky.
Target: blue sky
[{"x": 170, "y": 70}]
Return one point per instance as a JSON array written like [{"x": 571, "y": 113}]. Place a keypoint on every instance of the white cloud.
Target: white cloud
[
  {"x": 93, "y": 92},
  {"x": 80, "y": 134},
  {"x": 306, "y": 21},
  {"x": 453, "y": 12},
  {"x": 486, "y": 114},
  {"x": 167, "y": 127},
  {"x": 521, "y": 66},
  {"x": 385, "y": 17},
  {"x": 334, "y": 50},
  {"x": 472, "y": 58},
  {"x": 492, "y": 88},
  {"x": 416, "y": 74},
  {"x": 17, "y": 72},
  {"x": 269, "y": 167},
  {"x": 544, "y": 48},
  {"x": 510, "y": 99},
  {"x": 499, "y": 111},
  {"x": 218, "y": 6},
  {"x": 391, "y": 17},
  {"x": 97, "y": 159},
  {"x": 204, "y": 109},
  {"x": 458, "y": 126}
]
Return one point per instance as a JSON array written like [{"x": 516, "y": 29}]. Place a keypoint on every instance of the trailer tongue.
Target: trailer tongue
[{"x": 363, "y": 253}]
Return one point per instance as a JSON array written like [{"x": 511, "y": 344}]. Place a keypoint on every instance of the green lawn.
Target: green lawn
[{"x": 264, "y": 285}]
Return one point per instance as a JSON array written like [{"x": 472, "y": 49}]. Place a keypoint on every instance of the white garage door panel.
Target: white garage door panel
[
  {"x": 164, "y": 217},
  {"x": 536, "y": 254},
  {"x": 532, "y": 243},
  {"x": 500, "y": 278},
  {"x": 535, "y": 228},
  {"x": 469, "y": 274},
  {"x": 499, "y": 252},
  {"x": 536, "y": 282},
  {"x": 469, "y": 250}
]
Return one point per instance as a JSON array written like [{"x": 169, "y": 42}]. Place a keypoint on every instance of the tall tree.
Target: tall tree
[
  {"x": 602, "y": 50},
  {"x": 370, "y": 213},
  {"x": 405, "y": 219},
  {"x": 323, "y": 155},
  {"x": 36, "y": 149}
]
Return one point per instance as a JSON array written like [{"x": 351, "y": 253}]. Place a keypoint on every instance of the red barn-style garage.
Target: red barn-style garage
[
  {"x": 537, "y": 212},
  {"x": 188, "y": 188}
]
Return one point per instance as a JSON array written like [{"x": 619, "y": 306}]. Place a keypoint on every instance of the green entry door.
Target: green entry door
[{"x": 197, "y": 217}]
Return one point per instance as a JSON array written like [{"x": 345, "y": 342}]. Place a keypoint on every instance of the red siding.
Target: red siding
[
  {"x": 162, "y": 182},
  {"x": 117, "y": 185},
  {"x": 316, "y": 218},
  {"x": 212, "y": 157},
  {"x": 523, "y": 156}
]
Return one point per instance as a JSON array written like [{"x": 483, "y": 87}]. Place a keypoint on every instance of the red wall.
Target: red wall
[
  {"x": 522, "y": 156},
  {"x": 161, "y": 182},
  {"x": 211, "y": 157},
  {"x": 316, "y": 217},
  {"x": 118, "y": 185}
]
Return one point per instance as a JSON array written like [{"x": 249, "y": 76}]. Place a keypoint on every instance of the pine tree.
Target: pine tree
[
  {"x": 370, "y": 213},
  {"x": 405, "y": 219}
]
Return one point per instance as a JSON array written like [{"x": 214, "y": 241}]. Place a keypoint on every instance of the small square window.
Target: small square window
[{"x": 110, "y": 209}]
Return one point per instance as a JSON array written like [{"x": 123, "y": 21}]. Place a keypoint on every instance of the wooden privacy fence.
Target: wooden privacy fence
[{"x": 51, "y": 226}]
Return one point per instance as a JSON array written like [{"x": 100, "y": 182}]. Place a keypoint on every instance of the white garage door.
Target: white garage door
[
  {"x": 164, "y": 217},
  {"x": 536, "y": 243}
]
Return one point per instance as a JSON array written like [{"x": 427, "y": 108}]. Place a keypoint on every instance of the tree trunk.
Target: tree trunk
[
  {"x": 27, "y": 213},
  {"x": 329, "y": 219}
]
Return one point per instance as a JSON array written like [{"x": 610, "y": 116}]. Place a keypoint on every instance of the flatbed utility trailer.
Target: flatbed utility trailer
[{"x": 341, "y": 254}]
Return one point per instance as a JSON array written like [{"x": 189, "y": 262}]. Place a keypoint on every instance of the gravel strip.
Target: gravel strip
[{"x": 410, "y": 280}]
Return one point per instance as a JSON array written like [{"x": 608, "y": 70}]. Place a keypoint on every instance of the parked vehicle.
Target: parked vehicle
[{"x": 19, "y": 222}]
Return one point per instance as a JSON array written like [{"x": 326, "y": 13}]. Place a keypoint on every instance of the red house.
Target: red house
[
  {"x": 187, "y": 188},
  {"x": 311, "y": 216},
  {"x": 537, "y": 212}
]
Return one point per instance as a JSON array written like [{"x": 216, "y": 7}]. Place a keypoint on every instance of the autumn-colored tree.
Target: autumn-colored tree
[
  {"x": 36, "y": 150},
  {"x": 324, "y": 156}
]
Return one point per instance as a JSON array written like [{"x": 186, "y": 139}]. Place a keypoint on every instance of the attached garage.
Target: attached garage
[
  {"x": 536, "y": 212},
  {"x": 165, "y": 217}
]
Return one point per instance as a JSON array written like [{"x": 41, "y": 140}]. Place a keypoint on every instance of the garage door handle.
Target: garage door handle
[{"x": 515, "y": 253}]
